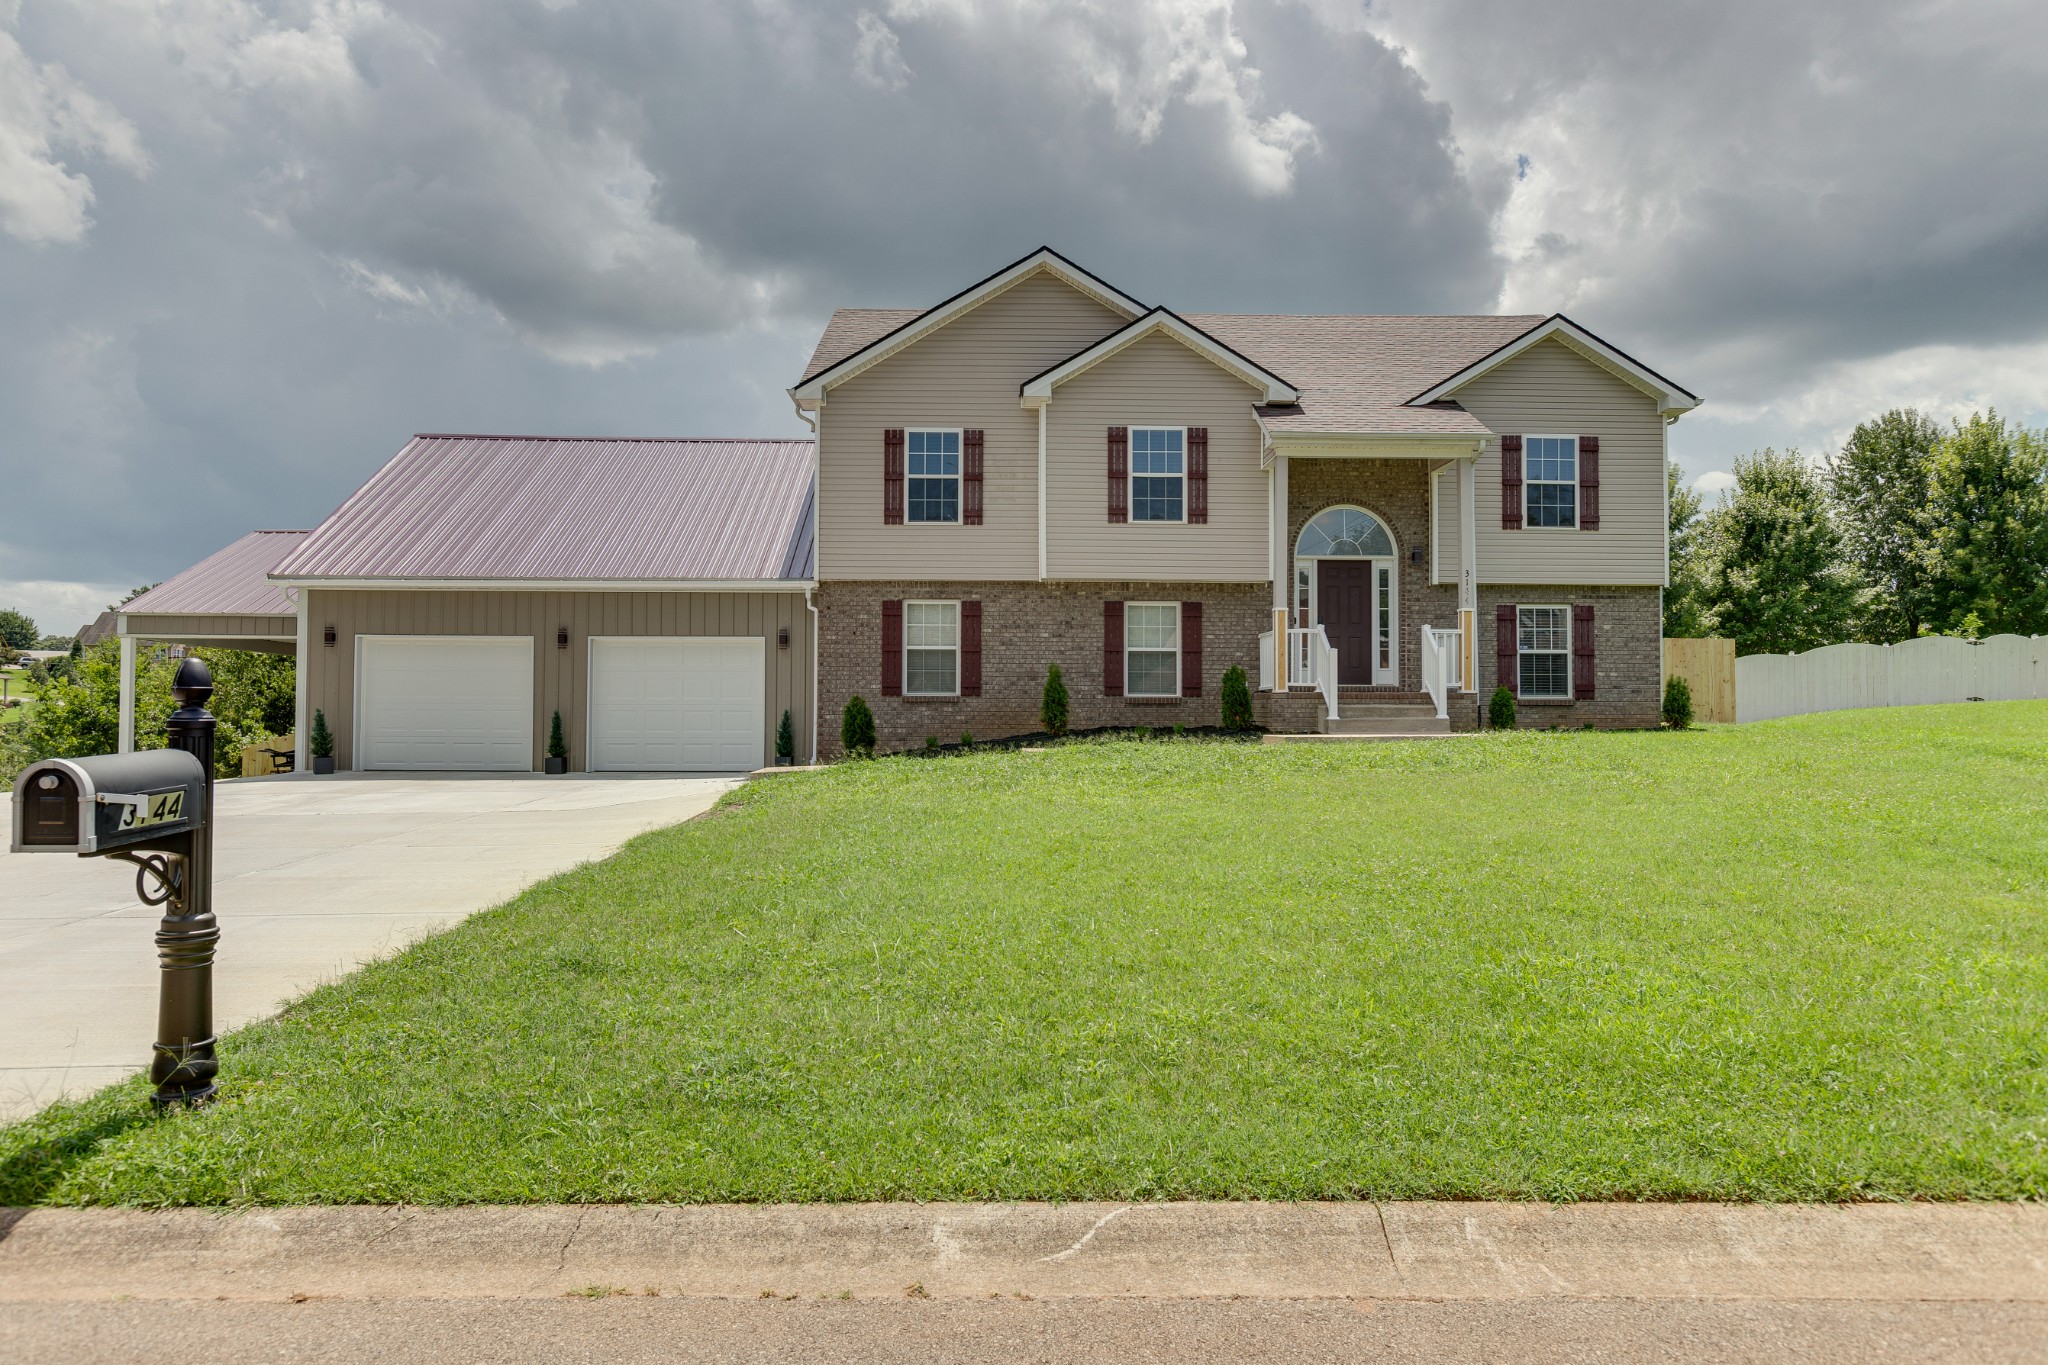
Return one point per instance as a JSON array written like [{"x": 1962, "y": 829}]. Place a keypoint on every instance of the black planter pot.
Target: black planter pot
[
  {"x": 323, "y": 765},
  {"x": 557, "y": 766},
  {"x": 784, "y": 761}
]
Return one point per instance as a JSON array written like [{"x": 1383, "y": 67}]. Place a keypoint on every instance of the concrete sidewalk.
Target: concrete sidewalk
[
  {"x": 1034, "y": 1282},
  {"x": 315, "y": 876}
]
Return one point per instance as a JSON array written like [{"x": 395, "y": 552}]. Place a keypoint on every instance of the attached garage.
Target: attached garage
[
  {"x": 445, "y": 703},
  {"x": 679, "y": 705}
]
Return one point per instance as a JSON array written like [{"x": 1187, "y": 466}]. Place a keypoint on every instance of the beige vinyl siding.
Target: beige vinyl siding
[
  {"x": 561, "y": 675},
  {"x": 964, "y": 375},
  {"x": 1551, "y": 390},
  {"x": 1155, "y": 382},
  {"x": 1446, "y": 525},
  {"x": 153, "y": 626}
]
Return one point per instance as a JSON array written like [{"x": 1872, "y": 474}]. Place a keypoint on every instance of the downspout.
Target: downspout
[{"x": 812, "y": 606}]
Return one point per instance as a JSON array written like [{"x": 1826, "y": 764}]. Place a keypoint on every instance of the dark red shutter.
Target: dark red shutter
[
  {"x": 1119, "y": 479},
  {"x": 970, "y": 649},
  {"x": 892, "y": 476},
  {"x": 1112, "y": 649},
  {"x": 1589, "y": 483},
  {"x": 1582, "y": 651},
  {"x": 1510, "y": 483},
  {"x": 1191, "y": 649},
  {"x": 970, "y": 477},
  {"x": 1198, "y": 482},
  {"x": 1507, "y": 650},
  {"x": 892, "y": 647}
]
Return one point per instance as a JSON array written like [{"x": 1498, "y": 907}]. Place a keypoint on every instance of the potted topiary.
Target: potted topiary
[
  {"x": 558, "y": 748},
  {"x": 785, "y": 743},
  {"x": 321, "y": 742}
]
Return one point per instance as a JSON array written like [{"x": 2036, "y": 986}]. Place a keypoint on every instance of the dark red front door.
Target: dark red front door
[{"x": 1344, "y": 607}]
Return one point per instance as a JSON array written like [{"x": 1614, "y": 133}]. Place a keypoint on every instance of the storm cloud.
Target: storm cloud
[{"x": 246, "y": 248}]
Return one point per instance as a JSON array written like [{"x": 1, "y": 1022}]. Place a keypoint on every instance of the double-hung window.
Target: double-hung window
[
  {"x": 1545, "y": 640},
  {"x": 1152, "y": 649},
  {"x": 1552, "y": 480},
  {"x": 934, "y": 475},
  {"x": 1158, "y": 474},
  {"x": 931, "y": 649}
]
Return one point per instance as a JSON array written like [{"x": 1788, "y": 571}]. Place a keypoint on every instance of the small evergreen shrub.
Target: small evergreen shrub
[
  {"x": 1052, "y": 706},
  {"x": 931, "y": 744},
  {"x": 558, "y": 747},
  {"x": 967, "y": 739},
  {"x": 321, "y": 741},
  {"x": 857, "y": 729},
  {"x": 1678, "y": 703},
  {"x": 785, "y": 738},
  {"x": 1500, "y": 712},
  {"x": 1237, "y": 699}
]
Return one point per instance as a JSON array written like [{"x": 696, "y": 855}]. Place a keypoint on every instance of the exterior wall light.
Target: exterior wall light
[
  {"x": 327, "y": 637},
  {"x": 782, "y": 637},
  {"x": 561, "y": 637}
]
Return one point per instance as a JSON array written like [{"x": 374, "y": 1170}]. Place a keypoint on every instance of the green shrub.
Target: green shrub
[
  {"x": 967, "y": 739},
  {"x": 785, "y": 738},
  {"x": 1237, "y": 699},
  {"x": 1052, "y": 706},
  {"x": 931, "y": 744},
  {"x": 857, "y": 729},
  {"x": 1500, "y": 712},
  {"x": 558, "y": 747},
  {"x": 1678, "y": 703},
  {"x": 321, "y": 742}
]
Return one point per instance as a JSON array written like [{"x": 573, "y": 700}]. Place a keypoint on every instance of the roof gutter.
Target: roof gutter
[{"x": 556, "y": 584}]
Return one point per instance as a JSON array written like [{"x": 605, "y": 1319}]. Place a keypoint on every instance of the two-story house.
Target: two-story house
[
  {"x": 1370, "y": 515},
  {"x": 1042, "y": 469}
]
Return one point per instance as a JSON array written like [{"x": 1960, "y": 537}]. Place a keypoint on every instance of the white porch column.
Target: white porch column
[
  {"x": 1468, "y": 568},
  {"x": 1282, "y": 552},
  {"x": 127, "y": 742},
  {"x": 300, "y": 760}
]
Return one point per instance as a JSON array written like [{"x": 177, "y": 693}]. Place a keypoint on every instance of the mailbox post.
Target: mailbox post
[{"x": 153, "y": 809}]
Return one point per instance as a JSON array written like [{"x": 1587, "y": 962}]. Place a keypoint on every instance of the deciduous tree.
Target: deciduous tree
[
  {"x": 1775, "y": 579},
  {"x": 1878, "y": 483},
  {"x": 1987, "y": 549}
]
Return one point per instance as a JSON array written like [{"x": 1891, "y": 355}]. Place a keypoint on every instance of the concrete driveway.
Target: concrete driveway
[{"x": 314, "y": 877}]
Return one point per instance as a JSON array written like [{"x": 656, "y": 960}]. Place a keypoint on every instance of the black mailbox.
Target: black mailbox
[{"x": 109, "y": 802}]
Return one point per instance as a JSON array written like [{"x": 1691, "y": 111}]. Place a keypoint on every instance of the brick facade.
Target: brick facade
[
  {"x": 1024, "y": 627},
  {"x": 1397, "y": 492},
  {"x": 1628, "y": 656}
]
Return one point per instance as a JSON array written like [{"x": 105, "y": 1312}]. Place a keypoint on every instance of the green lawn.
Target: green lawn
[
  {"x": 1797, "y": 960},
  {"x": 20, "y": 689}
]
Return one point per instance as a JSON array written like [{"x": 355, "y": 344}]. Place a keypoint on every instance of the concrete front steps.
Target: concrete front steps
[{"x": 1373, "y": 713}]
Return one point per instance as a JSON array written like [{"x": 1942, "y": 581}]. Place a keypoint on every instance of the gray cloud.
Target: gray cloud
[{"x": 245, "y": 248}]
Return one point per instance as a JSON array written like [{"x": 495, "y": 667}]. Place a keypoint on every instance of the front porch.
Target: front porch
[{"x": 1374, "y": 613}]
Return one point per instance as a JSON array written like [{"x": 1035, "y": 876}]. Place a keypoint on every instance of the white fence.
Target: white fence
[{"x": 1933, "y": 668}]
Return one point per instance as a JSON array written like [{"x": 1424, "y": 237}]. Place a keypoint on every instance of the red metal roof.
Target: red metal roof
[
  {"x": 554, "y": 508},
  {"x": 228, "y": 582}
]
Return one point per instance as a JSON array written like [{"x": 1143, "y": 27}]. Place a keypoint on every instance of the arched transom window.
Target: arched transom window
[{"x": 1344, "y": 533}]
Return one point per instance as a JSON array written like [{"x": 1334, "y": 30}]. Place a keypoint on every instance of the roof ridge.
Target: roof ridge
[{"x": 657, "y": 440}]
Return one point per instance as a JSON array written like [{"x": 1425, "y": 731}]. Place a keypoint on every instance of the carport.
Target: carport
[{"x": 225, "y": 601}]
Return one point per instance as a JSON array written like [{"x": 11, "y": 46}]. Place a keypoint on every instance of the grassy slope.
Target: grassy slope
[{"x": 1805, "y": 959}]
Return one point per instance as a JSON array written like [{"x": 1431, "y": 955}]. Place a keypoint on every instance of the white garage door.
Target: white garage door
[
  {"x": 447, "y": 703},
  {"x": 690, "y": 705}
]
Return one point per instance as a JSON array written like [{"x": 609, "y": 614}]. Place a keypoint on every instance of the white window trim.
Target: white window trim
[
  {"x": 931, "y": 602},
  {"x": 959, "y": 480},
  {"x": 1578, "y": 494},
  {"x": 1568, "y": 693},
  {"x": 1131, "y": 474},
  {"x": 1178, "y": 645}
]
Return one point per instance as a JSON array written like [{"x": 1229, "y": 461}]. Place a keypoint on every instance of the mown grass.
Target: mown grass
[{"x": 1798, "y": 960}]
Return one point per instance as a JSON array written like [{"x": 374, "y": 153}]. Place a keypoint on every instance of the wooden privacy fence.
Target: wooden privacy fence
[
  {"x": 1708, "y": 667},
  {"x": 1934, "y": 668}
]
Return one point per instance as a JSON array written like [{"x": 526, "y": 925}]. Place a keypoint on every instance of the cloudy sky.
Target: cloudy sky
[{"x": 247, "y": 247}]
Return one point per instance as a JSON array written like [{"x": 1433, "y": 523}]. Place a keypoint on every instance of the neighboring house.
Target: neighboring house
[{"x": 1359, "y": 511}]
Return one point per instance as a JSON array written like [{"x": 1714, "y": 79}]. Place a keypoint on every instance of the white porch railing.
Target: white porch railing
[
  {"x": 1443, "y": 666},
  {"x": 1309, "y": 660}
]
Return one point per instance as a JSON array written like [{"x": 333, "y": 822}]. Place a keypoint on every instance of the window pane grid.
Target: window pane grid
[
  {"x": 1152, "y": 650},
  {"x": 1550, "y": 470},
  {"x": 1544, "y": 636},
  {"x": 933, "y": 467},
  {"x": 1158, "y": 473},
  {"x": 931, "y": 648}
]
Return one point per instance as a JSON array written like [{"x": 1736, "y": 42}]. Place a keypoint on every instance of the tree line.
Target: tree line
[{"x": 1910, "y": 529}]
